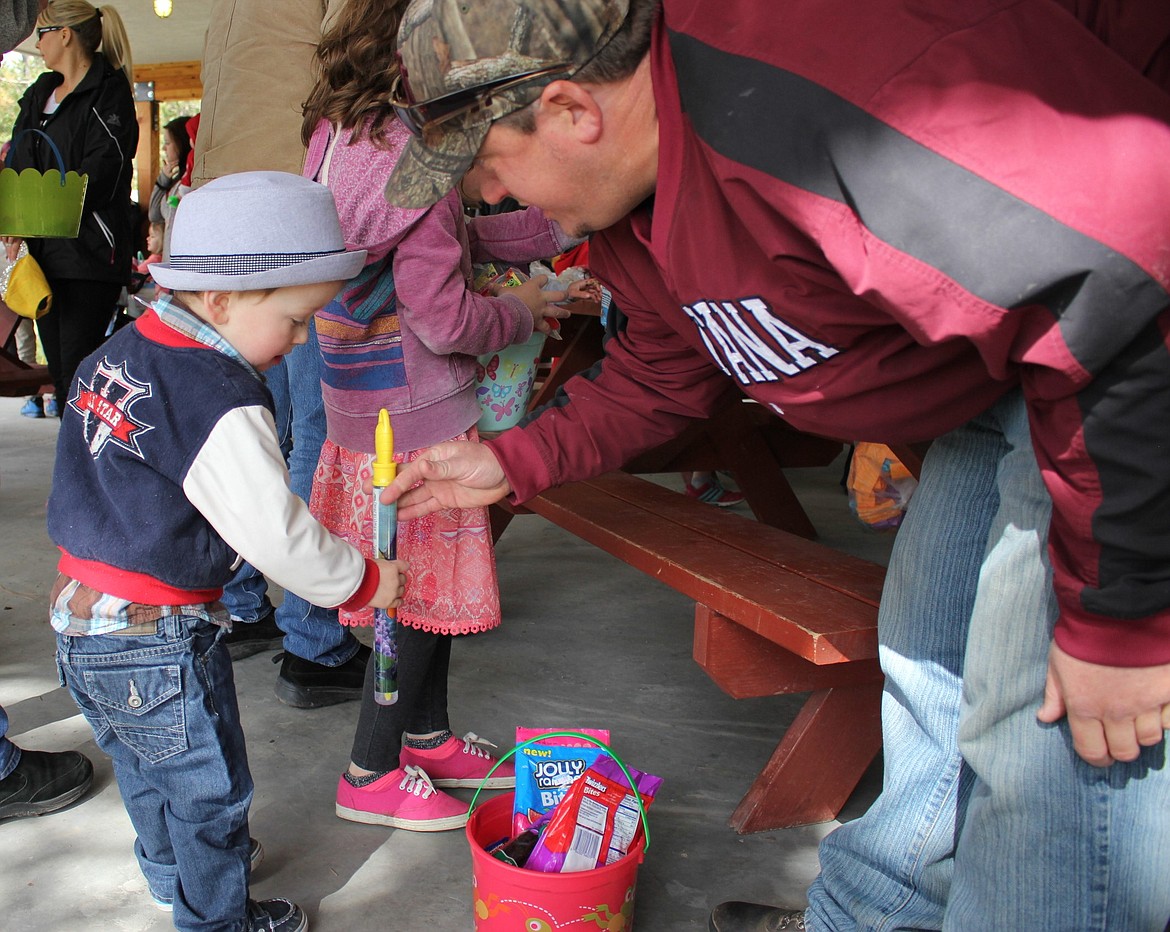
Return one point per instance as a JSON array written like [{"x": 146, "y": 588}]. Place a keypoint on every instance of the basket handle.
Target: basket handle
[
  {"x": 601, "y": 744},
  {"x": 52, "y": 146}
]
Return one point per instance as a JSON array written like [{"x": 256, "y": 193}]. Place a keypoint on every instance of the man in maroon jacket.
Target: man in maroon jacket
[{"x": 893, "y": 221}]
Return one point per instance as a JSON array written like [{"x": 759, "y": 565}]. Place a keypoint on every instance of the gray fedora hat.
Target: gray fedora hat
[{"x": 255, "y": 230}]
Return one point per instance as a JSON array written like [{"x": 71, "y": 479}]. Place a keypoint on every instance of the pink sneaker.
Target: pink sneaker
[
  {"x": 713, "y": 492},
  {"x": 461, "y": 762},
  {"x": 404, "y": 798}
]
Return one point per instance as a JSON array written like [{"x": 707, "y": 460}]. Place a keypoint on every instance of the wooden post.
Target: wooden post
[
  {"x": 146, "y": 158},
  {"x": 172, "y": 81}
]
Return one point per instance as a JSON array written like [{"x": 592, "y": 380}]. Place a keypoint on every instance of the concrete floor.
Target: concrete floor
[{"x": 587, "y": 641}]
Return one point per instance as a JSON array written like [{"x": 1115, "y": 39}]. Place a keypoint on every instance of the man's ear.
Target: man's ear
[{"x": 573, "y": 108}]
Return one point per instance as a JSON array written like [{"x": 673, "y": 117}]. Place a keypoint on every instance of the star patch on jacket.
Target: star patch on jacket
[{"x": 104, "y": 406}]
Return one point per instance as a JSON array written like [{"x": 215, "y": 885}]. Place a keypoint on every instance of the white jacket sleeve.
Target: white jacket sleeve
[{"x": 239, "y": 482}]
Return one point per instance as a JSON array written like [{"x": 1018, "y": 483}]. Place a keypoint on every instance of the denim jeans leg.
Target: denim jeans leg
[
  {"x": 891, "y": 869},
  {"x": 9, "y": 752},
  {"x": 1049, "y": 842},
  {"x": 246, "y": 595},
  {"x": 163, "y": 707},
  {"x": 310, "y": 632}
]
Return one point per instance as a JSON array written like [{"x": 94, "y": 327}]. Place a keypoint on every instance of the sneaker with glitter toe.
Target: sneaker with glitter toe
[
  {"x": 404, "y": 798},
  {"x": 461, "y": 763}
]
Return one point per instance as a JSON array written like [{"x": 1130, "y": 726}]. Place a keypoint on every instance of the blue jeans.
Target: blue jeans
[
  {"x": 310, "y": 632},
  {"x": 9, "y": 752},
  {"x": 163, "y": 706},
  {"x": 988, "y": 818}
]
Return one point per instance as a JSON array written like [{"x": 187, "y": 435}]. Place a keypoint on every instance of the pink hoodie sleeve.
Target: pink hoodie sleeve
[
  {"x": 517, "y": 236},
  {"x": 432, "y": 275}
]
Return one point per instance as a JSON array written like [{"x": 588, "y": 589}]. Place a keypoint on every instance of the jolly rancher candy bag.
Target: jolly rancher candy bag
[{"x": 545, "y": 769}]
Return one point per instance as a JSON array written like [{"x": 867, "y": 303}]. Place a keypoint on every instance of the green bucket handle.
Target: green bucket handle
[
  {"x": 601, "y": 744},
  {"x": 52, "y": 146}
]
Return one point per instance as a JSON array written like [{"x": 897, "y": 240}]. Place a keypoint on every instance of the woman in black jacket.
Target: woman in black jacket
[{"x": 86, "y": 106}]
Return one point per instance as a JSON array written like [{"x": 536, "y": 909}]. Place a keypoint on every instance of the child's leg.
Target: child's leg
[
  {"x": 430, "y": 713},
  {"x": 379, "y": 787},
  {"x": 429, "y": 745},
  {"x": 423, "y": 661},
  {"x": 163, "y": 706}
]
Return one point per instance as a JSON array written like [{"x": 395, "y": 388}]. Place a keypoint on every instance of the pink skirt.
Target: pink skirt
[{"x": 452, "y": 586}]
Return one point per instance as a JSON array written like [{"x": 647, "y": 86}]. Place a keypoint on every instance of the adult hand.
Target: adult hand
[
  {"x": 11, "y": 247},
  {"x": 1112, "y": 711},
  {"x": 585, "y": 289},
  {"x": 455, "y": 474}
]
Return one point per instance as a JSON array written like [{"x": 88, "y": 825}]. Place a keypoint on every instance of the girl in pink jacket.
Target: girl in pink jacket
[{"x": 403, "y": 335}]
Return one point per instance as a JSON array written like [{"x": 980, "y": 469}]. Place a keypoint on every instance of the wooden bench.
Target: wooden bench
[
  {"x": 18, "y": 378},
  {"x": 775, "y": 614}
]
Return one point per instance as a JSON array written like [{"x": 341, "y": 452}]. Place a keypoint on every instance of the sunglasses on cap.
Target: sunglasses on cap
[
  {"x": 41, "y": 30},
  {"x": 418, "y": 117}
]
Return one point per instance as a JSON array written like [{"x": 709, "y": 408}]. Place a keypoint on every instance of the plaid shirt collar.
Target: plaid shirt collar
[{"x": 178, "y": 318}]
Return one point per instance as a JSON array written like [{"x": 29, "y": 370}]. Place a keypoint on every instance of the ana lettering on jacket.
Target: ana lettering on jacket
[{"x": 751, "y": 344}]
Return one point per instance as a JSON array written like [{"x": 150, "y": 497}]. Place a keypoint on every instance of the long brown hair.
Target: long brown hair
[{"x": 354, "y": 68}]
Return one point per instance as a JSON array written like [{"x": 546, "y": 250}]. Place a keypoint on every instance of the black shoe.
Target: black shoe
[
  {"x": 275, "y": 916},
  {"x": 307, "y": 685},
  {"x": 44, "y": 781},
  {"x": 752, "y": 917},
  {"x": 252, "y": 637}
]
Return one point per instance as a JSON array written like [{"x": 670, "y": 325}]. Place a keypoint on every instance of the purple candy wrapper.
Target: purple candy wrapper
[{"x": 596, "y": 821}]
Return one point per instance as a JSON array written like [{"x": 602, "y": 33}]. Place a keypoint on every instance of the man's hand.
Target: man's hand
[
  {"x": 1112, "y": 711},
  {"x": 455, "y": 474}
]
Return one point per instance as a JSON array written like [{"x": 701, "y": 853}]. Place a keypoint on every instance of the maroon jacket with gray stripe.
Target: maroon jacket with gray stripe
[{"x": 878, "y": 217}]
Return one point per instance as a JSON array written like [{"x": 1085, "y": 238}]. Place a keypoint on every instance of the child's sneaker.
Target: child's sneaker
[
  {"x": 713, "y": 492},
  {"x": 275, "y": 916},
  {"x": 404, "y": 798},
  {"x": 461, "y": 762},
  {"x": 51, "y": 408},
  {"x": 34, "y": 407}
]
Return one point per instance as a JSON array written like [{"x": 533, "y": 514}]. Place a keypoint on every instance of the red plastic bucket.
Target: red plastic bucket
[{"x": 511, "y": 899}]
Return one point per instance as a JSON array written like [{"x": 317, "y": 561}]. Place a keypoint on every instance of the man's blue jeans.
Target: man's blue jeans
[
  {"x": 988, "y": 819},
  {"x": 9, "y": 752},
  {"x": 163, "y": 706},
  {"x": 310, "y": 632}
]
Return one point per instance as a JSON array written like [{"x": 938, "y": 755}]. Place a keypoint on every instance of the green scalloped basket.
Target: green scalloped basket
[
  {"x": 33, "y": 204},
  {"x": 38, "y": 205}
]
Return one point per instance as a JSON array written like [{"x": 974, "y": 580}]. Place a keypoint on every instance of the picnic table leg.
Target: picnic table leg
[
  {"x": 826, "y": 750},
  {"x": 818, "y": 763}
]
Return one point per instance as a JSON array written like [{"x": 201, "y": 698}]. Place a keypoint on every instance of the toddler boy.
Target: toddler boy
[{"x": 168, "y": 473}]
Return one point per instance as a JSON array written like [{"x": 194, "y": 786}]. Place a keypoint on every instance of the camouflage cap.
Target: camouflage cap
[{"x": 447, "y": 46}]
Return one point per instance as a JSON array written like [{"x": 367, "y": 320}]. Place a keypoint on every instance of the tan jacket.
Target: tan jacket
[{"x": 256, "y": 76}]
